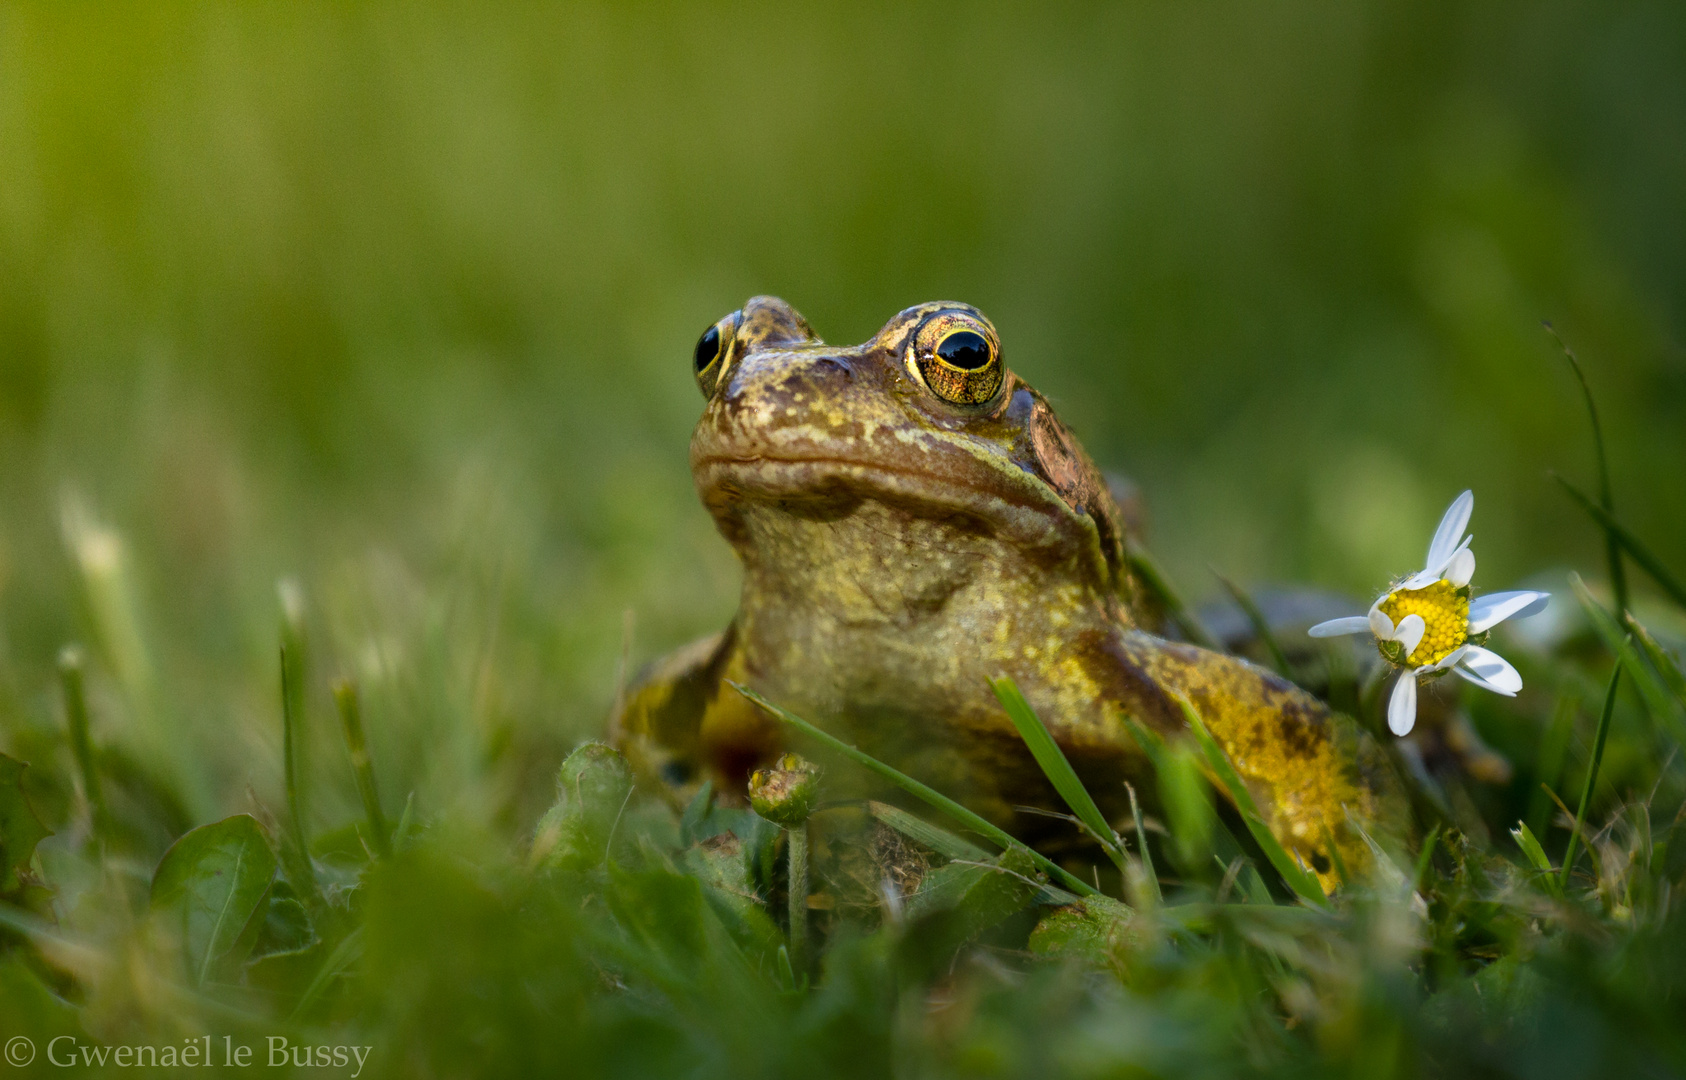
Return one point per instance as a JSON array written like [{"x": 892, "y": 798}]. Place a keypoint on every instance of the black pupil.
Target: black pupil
[
  {"x": 708, "y": 347},
  {"x": 964, "y": 350}
]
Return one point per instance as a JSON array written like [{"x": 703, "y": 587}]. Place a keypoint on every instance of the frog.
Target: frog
[{"x": 913, "y": 521}]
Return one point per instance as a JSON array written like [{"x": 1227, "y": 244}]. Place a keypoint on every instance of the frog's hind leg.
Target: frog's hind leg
[
  {"x": 1314, "y": 775},
  {"x": 680, "y": 724}
]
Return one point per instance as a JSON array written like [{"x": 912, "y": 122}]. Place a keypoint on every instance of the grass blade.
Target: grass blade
[
  {"x": 1169, "y": 765},
  {"x": 294, "y": 738},
  {"x": 1335, "y": 857},
  {"x": 1424, "y": 858},
  {"x": 1255, "y": 617},
  {"x": 1146, "y": 738},
  {"x": 691, "y": 822},
  {"x": 295, "y": 845},
  {"x": 85, "y": 960},
  {"x": 351, "y": 717},
  {"x": 291, "y": 676},
  {"x": 1661, "y": 660},
  {"x": 406, "y": 821},
  {"x": 941, "y": 841},
  {"x": 1524, "y": 837},
  {"x": 71, "y": 663},
  {"x": 1193, "y": 825},
  {"x": 1055, "y": 766},
  {"x": 346, "y": 953},
  {"x": 1635, "y": 547},
  {"x": 1303, "y": 884},
  {"x": 915, "y": 788},
  {"x": 1657, "y": 700},
  {"x": 1591, "y": 773},
  {"x": 1155, "y": 581},
  {"x": 1612, "y": 544},
  {"x": 1186, "y": 797},
  {"x": 1141, "y": 846}
]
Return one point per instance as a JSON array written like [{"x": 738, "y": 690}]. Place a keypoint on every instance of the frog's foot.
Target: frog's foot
[{"x": 680, "y": 724}]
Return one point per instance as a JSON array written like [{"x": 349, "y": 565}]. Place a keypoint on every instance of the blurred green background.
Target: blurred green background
[{"x": 397, "y": 301}]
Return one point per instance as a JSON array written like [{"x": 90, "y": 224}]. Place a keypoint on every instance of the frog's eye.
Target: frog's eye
[
  {"x": 957, "y": 356},
  {"x": 713, "y": 350}
]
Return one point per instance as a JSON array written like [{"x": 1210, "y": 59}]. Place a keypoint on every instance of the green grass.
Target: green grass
[
  {"x": 391, "y": 307},
  {"x": 632, "y": 940}
]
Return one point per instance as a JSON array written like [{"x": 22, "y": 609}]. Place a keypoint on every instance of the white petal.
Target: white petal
[
  {"x": 1461, "y": 568},
  {"x": 1402, "y": 706},
  {"x": 1410, "y": 632},
  {"x": 1470, "y": 676},
  {"x": 1352, "y": 624},
  {"x": 1492, "y": 609},
  {"x": 1490, "y": 670},
  {"x": 1451, "y": 530},
  {"x": 1433, "y": 572},
  {"x": 1380, "y": 624}
]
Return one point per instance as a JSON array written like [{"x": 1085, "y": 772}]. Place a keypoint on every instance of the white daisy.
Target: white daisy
[{"x": 1427, "y": 625}]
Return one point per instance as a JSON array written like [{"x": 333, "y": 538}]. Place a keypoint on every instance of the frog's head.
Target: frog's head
[{"x": 924, "y": 419}]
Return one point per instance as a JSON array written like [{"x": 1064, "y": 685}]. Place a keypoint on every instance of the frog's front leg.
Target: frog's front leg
[
  {"x": 1312, "y": 772},
  {"x": 680, "y": 724}
]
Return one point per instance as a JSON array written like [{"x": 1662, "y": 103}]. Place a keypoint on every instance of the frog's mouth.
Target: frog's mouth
[{"x": 1029, "y": 514}]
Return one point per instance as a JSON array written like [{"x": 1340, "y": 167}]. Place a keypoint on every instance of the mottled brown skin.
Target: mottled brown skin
[{"x": 900, "y": 549}]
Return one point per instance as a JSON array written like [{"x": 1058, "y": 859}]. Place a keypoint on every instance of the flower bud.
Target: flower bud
[{"x": 785, "y": 793}]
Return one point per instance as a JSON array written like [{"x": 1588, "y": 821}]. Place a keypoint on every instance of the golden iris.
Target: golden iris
[{"x": 959, "y": 358}]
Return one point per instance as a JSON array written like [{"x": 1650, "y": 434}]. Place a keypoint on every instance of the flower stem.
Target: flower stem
[{"x": 796, "y": 851}]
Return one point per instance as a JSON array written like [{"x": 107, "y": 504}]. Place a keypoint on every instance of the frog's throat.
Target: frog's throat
[
  {"x": 874, "y": 605},
  {"x": 1029, "y": 516}
]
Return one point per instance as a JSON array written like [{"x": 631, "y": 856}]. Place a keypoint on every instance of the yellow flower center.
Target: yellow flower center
[{"x": 1445, "y": 619}]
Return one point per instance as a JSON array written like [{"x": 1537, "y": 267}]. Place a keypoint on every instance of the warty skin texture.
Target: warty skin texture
[{"x": 899, "y": 550}]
